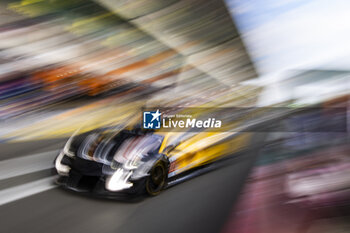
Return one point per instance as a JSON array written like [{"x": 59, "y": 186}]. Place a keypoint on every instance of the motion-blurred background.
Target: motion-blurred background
[{"x": 83, "y": 64}]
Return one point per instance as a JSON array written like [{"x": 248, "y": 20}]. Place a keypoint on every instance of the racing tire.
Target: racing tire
[{"x": 156, "y": 181}]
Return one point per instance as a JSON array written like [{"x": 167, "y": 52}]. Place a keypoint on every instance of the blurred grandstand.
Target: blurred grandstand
[{"x": 62, "y": 55}]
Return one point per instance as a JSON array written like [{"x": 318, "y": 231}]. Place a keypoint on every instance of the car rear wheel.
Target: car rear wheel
[{"x": 156, "y": 181}]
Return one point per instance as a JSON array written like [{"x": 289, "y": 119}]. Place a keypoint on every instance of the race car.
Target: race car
[{"x": 115, "y": 163}]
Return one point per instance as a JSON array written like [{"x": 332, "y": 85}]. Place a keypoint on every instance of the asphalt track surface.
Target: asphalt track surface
[{"x": 201, "y": 204}]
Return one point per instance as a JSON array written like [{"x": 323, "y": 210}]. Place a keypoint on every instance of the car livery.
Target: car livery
[{"x": 115, "y": 163}]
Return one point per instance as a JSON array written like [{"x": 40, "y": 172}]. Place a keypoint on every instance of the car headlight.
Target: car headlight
[
  {"x": 66, "y": 147},
  {"x": 61, "y": 168},
  {"x": 119, "y": 180},
  {"x": 131, "y": 164}
]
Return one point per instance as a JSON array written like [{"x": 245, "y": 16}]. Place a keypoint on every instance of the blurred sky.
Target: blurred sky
[{"x": 289, "y": 34}]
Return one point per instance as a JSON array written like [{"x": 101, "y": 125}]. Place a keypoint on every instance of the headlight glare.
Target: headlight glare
[
  {"x": 119, "y": 180},
  {"x": 66, "y": 147},
  {"x": 61, "y": 168}
]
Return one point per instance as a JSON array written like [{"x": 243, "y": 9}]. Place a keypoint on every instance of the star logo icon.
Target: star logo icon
[
  {"x": 156, "y": 115},
  {"x": 151, "y": 119}
]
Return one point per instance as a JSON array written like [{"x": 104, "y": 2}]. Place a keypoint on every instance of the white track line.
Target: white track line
[
  {"x": 25, "y": 190},
  {"x": 27, "y": 164}
]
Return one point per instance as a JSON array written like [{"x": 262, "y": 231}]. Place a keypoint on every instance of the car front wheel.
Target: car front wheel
[{"x": 156, "y": 181}]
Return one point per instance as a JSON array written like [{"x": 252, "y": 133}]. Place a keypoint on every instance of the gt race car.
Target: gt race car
[{"x": 114, "y": 163}]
